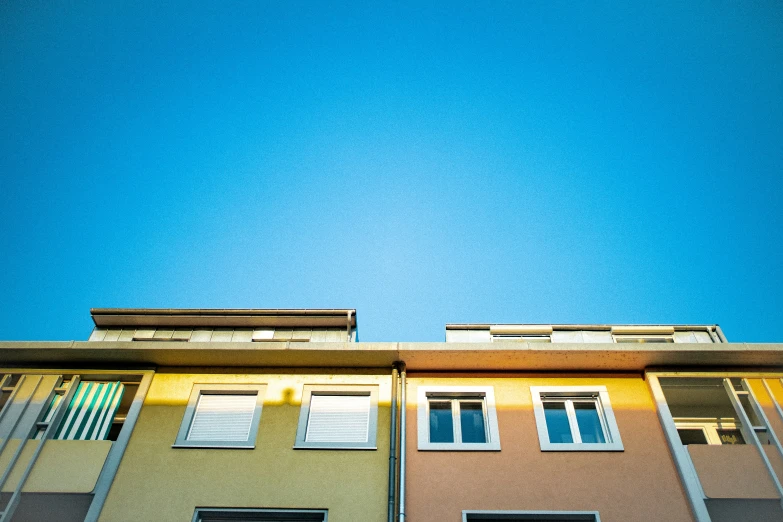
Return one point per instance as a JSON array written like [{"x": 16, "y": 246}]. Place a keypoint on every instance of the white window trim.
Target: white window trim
[
  {"x": 337, "y": 389},
  {"x": 487, "y": 393},
  {"x": 611, "y": 431},
  {"x": 520, "y": 516},
  {"x": 226, "y": 389},
  {"x": 709, "y": 427},
  {"x": 250, "y": 514}
]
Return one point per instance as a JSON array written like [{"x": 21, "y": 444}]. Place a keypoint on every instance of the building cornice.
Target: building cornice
[
  {"x": 517, "y": 356},
  {"x": 223, "y": 317}
]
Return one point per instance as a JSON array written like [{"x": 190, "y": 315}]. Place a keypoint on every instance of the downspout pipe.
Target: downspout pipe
[
  {"x": 393, "y": 445},
  {"x": 402, "y": 442}
]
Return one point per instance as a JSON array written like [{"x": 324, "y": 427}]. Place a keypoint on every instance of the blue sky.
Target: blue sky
[{"x": 548, "y": 162}]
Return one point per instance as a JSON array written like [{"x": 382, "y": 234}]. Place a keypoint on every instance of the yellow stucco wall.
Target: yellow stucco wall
[
  {"x": 64, "y": 466},
  {"x": 158, "y": 482}
]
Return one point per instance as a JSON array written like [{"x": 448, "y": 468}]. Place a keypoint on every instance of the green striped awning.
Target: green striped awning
[{"x": 92, "y": 409}]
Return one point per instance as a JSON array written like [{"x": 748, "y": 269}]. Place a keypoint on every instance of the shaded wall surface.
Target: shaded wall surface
[
  {"x": 637, "y": 484},
  {"x": 158, "y": 482}
]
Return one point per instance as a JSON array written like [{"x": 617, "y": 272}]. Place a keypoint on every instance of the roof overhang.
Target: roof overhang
[
  {"x": 295, "y": 318},
  {"x": 626, "y": 328},
  {"x": 417, "y": 356}
]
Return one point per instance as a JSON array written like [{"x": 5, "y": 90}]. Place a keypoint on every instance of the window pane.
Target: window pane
[
  {"x": 692, "y": 436},
  {"x": 557, "y": 423},
  {"x": 472, "y": 422},
  {"x": 441, "y": 423},
  {"x": 589, "y": 423}
]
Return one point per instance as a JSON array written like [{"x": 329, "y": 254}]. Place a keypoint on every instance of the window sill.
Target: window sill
[
  {"x": 214, "y": 446},
  {"x": 548, "y": 446},
  {"x": 335, "y": 447},
  {"x": 451, "y": 446}
]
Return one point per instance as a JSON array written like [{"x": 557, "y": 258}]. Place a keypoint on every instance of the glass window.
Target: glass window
[
  {"x": 589, "y": 421},
  {"x": 457, "y": 418},
  {"x": 557, "y": 423},
  {"x": 578, "y": 418},
  {"x": 692, "y": 436},
  {"x": 441, "y": 422},
  {"x": 472, "y": 422}
]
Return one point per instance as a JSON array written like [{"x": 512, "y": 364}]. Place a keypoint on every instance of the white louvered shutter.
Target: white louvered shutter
[
  {"x": 220, "y": 417},
  {"x": 338, "y": 418}
]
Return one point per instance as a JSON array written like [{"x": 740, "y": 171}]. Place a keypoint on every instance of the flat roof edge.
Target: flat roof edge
[
  {"x": 223, "y": 317},
  {"x": 222, "y": 311},
  {"x": 522, "y": 357},
  {"x": 486, "y": 326}
]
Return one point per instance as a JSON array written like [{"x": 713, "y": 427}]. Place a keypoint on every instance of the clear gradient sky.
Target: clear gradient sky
[{"x": 555, "y": 162}]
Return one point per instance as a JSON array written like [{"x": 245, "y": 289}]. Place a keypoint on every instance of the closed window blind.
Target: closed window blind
[
  {"x": 222, "y": 417},
  {"x": 338, "y": 418},
  {"x": 91, "y": 411}
]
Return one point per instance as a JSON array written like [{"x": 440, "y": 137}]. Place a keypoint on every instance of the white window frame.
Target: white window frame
[
  {"x": 521, "y": 516},
  {"x": 709, "y": 427},
  {"x": 259, "y": 390},
  {"x": 604, "y": 407},
  {"x": 253, "y": 515},
  {"x": 309, "y": 390},
  {"x": 453, "y": 393}
]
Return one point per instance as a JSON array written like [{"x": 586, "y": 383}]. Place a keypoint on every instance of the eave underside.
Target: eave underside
[{"x": 417, "y": 356}]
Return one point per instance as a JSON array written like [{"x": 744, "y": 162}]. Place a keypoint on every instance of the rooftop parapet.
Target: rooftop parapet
[
  {"x": 223, "y": 325},
  {"x": 584, "y": 333}
]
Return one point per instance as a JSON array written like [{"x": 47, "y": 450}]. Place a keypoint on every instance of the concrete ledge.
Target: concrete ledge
[{"x": 417, "y": 356}]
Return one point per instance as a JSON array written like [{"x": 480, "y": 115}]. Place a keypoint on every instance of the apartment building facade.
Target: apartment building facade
[{"x": 212, "y": 415}]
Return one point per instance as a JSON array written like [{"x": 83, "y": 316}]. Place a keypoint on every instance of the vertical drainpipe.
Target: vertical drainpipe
[
  {"x": 402, "y": 444},
  {"x": 393, "y": 446}
]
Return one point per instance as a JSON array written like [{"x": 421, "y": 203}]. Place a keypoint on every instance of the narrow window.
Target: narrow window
[{"x": 441, "y": 422}]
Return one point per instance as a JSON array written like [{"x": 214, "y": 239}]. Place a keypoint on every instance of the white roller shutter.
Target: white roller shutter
[
  {"x": 222, "y": 417},
  {"x": 338, "y": 418}
]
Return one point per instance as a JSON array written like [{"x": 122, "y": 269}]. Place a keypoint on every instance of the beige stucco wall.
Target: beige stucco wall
[
  {"x": 64, "y": 466},
  {"x": 158, "y": 482},
  {"x": 748, "y": 478},
  {"x": 638, "y": 484}
]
